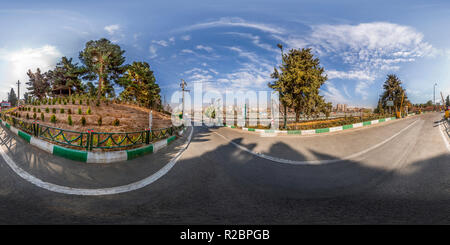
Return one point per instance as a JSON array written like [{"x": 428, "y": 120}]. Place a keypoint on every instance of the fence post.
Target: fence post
[
  {"x": 88, "y": 140},
  {"x": 37, "y": 129},
  {"x": 147, "y": 136}
]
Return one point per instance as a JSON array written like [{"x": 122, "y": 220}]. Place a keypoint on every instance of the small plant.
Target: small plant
[
  {"x": 69, "y": 120},
  {"x": 83, "y": 121},
  {"x": 89, "y": 112},
  {"x": 100, "y": 121},
  {"x": 54, "y": 110},
  {"x": 73, "y": 101},
  {"x": 59, "y": 100},
  {"x": 81, "y": 102},
  {"x": 79, "y": 111},
  {"x": 39, "y": 110},
  {"x": 28, "y": 116},
  {"x": 29, "y": 109},
  {"x": 61, "y": 111},
  {"x": 34, "y": 116},
  {"x": 69, "y": 111},
  {"x": 47, "y": 110},
  {"x": 65, "y": 102},
  {"x": 53, "y": 119},
  {"x": 34, "y": 109},
  {"x": 87, "y": 102},
  {"x": 42, "y": 117},
  {"x": 116, "y": 122}
]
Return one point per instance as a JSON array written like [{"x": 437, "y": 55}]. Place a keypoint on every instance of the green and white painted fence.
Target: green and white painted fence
[
  {"x": 90, "y": 157},
  {"x": 320, "y": 130}
]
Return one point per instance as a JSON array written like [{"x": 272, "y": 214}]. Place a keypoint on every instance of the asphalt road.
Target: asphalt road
[{"x": 393, "y": 173}]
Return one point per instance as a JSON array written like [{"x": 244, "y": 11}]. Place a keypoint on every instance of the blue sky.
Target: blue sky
[{"x": 232, "y": 44}]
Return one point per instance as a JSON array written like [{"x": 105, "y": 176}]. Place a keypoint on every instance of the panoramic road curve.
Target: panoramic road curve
[{"x": 393, "y": 172}]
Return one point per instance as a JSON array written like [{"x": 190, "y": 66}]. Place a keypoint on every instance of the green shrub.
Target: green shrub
[
  {"x": 69, "y": 111},
  {"x": 65, "y": 102},
  {"x": 83, "y": 121},
  {"x": 89, "y": 112},
  {"x": 39, "y": 110},
  {"x": 100, "y": 121},
  {"x": 28, "y": 116},
  {"x": 34, "y": 109},
  {"x": 116, "y": 122},
  {"x": 47, "y": 110},
  {"x": 53, "y": 119},
  {"x": 69, "y": 120},
  {"x": 81, "y": 102},
  {"x": 87, "y": 102},
  {"x": 79, "y": 111},
  {"x": 54, "y": 110},
  {"x": 34, "y": 116},
  {"x": 59, "y": 100},
  {"x": 29, "y": 108},
  {"x": 73, "y": 102},
  {"x": 61, "y": 111},
  {"x": 42, "y": 117}
]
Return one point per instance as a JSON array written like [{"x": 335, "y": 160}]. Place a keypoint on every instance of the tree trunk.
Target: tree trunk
[{"x": 100, "y": 80}]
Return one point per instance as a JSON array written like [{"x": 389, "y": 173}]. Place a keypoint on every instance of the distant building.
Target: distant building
[{"x": 5, "y": 105}]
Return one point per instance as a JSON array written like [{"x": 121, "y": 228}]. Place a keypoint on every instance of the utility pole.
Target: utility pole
[
  {"x": 183, "y": 85},
  {"x": 18, "y": 92}
]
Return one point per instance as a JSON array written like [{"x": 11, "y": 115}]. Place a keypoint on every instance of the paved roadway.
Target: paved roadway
[{"x": 391, "y": 173}]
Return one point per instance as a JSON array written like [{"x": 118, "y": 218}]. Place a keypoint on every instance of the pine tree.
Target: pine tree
[
  {"x": 38, "y": 83},
  {"x": 102, "y": 60},
  {"x": 12, "y": 97},
  {"x": 140, "y": 85},
  {"x": 299, "y": 79}
]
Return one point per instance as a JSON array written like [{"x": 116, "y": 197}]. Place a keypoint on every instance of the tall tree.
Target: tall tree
[
  {"x": 298, "y": 81},
  {"x": 12, "y": 97},
  {"x": 66, "y": 76},
  {"x": 103, "y": 60},
  {"x": 38, "y": 84},
  {"x": 393, "y": 91},
  {"x": 447, "y": 100},
  {"x": 139, "y": 84}
]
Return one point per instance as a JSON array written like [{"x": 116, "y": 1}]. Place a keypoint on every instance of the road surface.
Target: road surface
[{"x": 396, "y": 172}]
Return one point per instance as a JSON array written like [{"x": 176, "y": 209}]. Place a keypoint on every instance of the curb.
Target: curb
[
  {"x": 320, "y": 130},
  {"x": 90, "y": 157}
]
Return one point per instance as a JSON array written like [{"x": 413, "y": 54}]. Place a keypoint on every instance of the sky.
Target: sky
[{"x": 233, "y": 44}]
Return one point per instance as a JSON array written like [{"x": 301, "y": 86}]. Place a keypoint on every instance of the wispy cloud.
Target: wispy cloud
[
  {"x": 161, "y": 42},
  {"x": 152, "y": 49},
  {"x": 206, "y": 48},
  {"x": 186, "y": 37},
  {"x": 111, "y": 29},
  {"x": 235, "y": 22}
]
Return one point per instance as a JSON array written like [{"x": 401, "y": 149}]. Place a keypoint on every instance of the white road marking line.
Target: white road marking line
[
  {"x": 95, "y": 192},
  {"x": 316, "y": 162},
  {"x": 447, "y": 144}
]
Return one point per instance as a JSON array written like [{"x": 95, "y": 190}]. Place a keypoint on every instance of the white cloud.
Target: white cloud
[
  {"x": 187, "y": 51},
  {"x": 332, "y": 94},
  {"x": 186, "y": 38},
  {"x": 161, "y": 43},
  {"x": 111, "y": 29},
  {"x": 370, "y": 49},
  {"x": 206, "y": 48},
  {"x": 249, "y": 55},
  {"x": 256, "y": 40},
  {"x": 236, "y": 22},
  {"x": 152, "y": 49},
  {"x": 351, "y": 75},
  {"x": 20, "y": 61}
]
